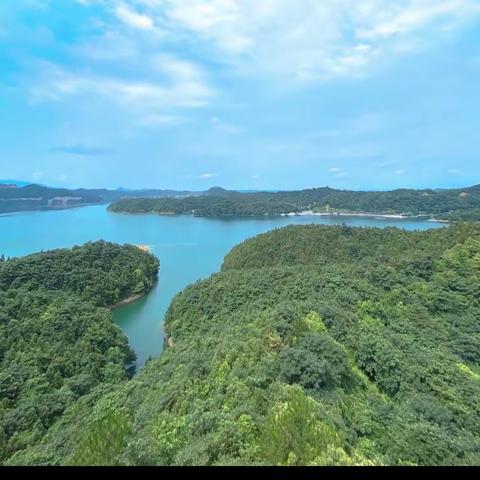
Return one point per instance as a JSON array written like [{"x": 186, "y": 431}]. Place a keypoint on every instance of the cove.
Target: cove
[{"x": 189, "y": 248}]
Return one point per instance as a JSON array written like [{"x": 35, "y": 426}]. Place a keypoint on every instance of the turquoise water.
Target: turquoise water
[{"x": 189, "y": 248}]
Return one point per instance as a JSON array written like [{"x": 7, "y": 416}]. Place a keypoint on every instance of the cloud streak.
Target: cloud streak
[
  {"x": 175, "y": 84},
  {"x": 82, "y": 150},
  {"x": 206, "y": 176}
]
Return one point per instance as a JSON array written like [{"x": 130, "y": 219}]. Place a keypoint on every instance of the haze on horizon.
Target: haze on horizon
[{"x": 377, "y": 94}]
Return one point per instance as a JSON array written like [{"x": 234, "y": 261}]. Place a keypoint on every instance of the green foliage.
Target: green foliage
[
  {"x": 101, "y": 273},
  {"x": 315, "y": 323},
  {"x": 313, "y": 346},
  {"x": 170, "y": 435},
  {"x": 57, "y": 343},
  {"x": 315, "y": 362},
  {"x": 296, "y": 431},
  {"x": 455, "y": 204},
  {"x": 105, "y": 437}
]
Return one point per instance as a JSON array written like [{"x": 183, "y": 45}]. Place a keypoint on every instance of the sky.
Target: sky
[{"x": 277, "y": 94}]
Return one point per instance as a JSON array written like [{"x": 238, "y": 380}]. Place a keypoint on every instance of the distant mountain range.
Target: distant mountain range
[
  {"x": 458, "y": 204},
  {"x": 22, "y": 196}
]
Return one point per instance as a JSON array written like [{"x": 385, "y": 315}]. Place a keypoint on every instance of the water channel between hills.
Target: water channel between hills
[{"x": 189, "y": 248}]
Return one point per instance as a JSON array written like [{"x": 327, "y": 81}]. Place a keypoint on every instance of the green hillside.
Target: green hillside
[
  {"x": 57, "y": 340},
  {"x": 313, "y": 346},
  {"x": 454, "y": 204}
]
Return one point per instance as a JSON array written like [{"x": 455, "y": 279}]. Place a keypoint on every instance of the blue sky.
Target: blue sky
[{"x": 282, "y": 94}]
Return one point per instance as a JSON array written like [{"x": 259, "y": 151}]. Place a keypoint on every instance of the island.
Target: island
[{"x": 448, "y": 205}]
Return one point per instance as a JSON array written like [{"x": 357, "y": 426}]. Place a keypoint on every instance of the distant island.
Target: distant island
[{"x": 449, "y": 204}]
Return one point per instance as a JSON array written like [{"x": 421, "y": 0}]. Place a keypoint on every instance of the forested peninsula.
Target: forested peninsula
[
  {"x": 58, "y": 342},
  {"x": 313, "y": 345},
  {"x": 454, "y": 204}
]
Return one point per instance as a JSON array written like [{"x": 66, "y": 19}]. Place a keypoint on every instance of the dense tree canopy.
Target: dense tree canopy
[
  {"x": 463, "y": 204},
  {"x": 57, "y": 342},
  {"x": 313, "y": 346}
]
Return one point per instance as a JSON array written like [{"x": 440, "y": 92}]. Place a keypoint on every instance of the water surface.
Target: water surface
[{"x": 189, "y": 248}]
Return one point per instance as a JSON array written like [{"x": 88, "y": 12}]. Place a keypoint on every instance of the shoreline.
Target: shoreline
[
  {"x": 307, "y": 213},
  {"x": 133, "y": 298},
  {"x": 127, "y": 301},
  {"x": 392, "y": 216},
  {"x": 45, "y": 208}
]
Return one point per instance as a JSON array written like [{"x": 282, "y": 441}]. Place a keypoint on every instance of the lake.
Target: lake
[{"x": 189, "y": 248}]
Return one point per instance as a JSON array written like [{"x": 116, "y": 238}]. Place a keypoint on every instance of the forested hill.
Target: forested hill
[
  {"x": 313, "y": 346},
  {"x": 34, "y": 197},
  {"x": 57, "y": 342},
  {"x": 462, "y": 204}
]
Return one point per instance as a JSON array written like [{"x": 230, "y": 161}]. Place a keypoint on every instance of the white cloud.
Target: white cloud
[
  {"x": 63, "y": 177},
  {"x": 179, "y": 85},
  {"x": 399, "y": 172},
  {"x": 416, "y": 15},
  {"x": 132, "y": 18},
  {"x": 338, "y": 172},
  {"x": 208, "y": 175},
  {"x": 300, "y": 41},
  {"x": 126, "y": 69},
  {"x": 217, "y": 20},
  {"x": 312, "y": 40}
]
